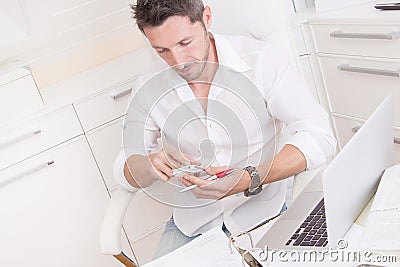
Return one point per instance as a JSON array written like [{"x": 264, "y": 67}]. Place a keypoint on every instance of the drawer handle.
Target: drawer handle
[
  {"x": 117, "y": 96},
  {"x": 380, "y": 36},
  {"x": 356, "y": 128},
  {"x": 348, "y": 68},
  {"x": 29, "y": 171},
  {"x": 20, "y": 137}
]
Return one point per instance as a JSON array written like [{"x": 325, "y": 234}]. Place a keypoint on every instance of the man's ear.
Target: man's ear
[{"x": 207, "y": 16}]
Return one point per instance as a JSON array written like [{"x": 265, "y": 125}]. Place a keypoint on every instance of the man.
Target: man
[{"x": 218, "y": 88}]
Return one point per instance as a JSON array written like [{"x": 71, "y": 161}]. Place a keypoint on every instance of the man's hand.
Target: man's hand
[
  {"x": 235, "y": 183},
  {"x": 164, "y": 161},
  {"x": 141, "y": 171}
]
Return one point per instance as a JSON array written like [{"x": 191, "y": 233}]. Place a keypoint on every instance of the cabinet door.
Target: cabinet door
[
  {"x": 106, "y": 142},
  {"x": 356, "y": 86},
  {"x": 346, "y": 128},
  {"x": 52, "y": 208}
]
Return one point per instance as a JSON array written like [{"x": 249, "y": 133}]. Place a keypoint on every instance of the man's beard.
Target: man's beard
[{"x": 194, "y": 68}]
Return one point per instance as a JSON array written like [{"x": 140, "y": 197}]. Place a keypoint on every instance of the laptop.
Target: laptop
[{"x": 319, "y": 218}]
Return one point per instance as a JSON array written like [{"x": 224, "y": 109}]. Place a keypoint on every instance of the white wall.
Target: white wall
[{"x": 67, "y": 37}]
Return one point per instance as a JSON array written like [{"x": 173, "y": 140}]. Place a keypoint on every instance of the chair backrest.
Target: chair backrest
[
  {"x": 256, "y": 18},
  {"x": 266, "y": 20}
]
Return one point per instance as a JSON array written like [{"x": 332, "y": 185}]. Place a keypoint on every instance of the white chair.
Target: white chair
[{"x": 261, "y": 19}]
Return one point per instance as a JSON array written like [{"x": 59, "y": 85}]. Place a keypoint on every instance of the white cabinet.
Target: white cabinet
[
  {"x": 347, "y": 126},
  {"x": 356, "y": 85},
  {"x": 26, "y": 138},
  {"x": 51, "y": 215},
  {"x": 359, "y": 60},
  {"x": 13, "y": 85},
  {"x": 308, "y": 76},
  {"x": 105, "y": 142},
  {"x": 52, "y": 195},
  {"x": 109, "y": 104},
  {"x": 369, "y": 39},
  {"x": 305, "y": 51}
]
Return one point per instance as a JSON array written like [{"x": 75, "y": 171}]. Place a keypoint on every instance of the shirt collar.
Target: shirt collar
[{"x": 227, "y": 56}]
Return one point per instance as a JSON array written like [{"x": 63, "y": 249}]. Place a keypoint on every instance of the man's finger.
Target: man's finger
[
  {"x": 161, "y": 167},
  {"x": 196, "y": 180},
  {"x": 161, "y": 175},
  {"x": 213, "y": 170},
  {"x": 184, "y": 181},
  {"x": 177, "y": 155},
  {"x": 172, "y": 162}
]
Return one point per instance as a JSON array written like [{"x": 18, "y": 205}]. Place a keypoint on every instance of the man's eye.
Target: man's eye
[
  {"x": 186, "y": 42},
  {"x": 161, "y": 51}
]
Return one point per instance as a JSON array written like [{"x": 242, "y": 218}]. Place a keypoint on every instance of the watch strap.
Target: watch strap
[{"x": 255, "y": 184}]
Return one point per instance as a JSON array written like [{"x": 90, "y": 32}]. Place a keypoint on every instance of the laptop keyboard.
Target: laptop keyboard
[{"x": 312, "y": 232}]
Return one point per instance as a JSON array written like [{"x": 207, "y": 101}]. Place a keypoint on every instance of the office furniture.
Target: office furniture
[
  {"x": 12, "y": 86},
  {"x": 54, "y": 185},
  {"x": 51, "y": 194},
  {"x": 359, "y": 60}
]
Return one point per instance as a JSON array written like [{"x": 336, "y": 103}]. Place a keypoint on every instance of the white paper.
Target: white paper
[
  {"x": 382, "y": 229},
  {"x": 210, "y": 249},
  {"x": 353, "y": 236}
]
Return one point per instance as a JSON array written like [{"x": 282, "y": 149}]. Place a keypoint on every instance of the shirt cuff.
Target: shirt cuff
[
  {"x": 313, "y": 153},
  {"x": 118, "y": 171}
]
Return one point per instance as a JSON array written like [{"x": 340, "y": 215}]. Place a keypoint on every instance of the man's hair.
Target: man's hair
[{"x": 153, "y": 13}]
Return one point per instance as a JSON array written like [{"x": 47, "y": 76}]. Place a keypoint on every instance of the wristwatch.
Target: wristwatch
[{"x": 255, "y": 185}]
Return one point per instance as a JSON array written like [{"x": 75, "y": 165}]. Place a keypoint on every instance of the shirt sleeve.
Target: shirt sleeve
[
  {"x": 139, "y": 137},
  {"x": 290, "y": 101}
]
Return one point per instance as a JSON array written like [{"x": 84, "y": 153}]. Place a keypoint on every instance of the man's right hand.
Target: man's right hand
[
  {"x": 142, "y": 171},
  {"x": 164, "y": 161}
]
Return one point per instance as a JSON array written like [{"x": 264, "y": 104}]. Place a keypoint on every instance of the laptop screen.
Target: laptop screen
[{"x": 352, "y": 177}]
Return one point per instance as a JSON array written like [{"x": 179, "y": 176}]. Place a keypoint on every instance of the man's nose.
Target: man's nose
[{"x": 177, "y": 59}]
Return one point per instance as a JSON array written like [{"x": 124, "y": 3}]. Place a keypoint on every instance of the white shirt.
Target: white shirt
[{"x": 252, "y": 101}]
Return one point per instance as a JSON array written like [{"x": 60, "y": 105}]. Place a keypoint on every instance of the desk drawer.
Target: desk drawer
[
  {"x": 30, "y": 137},
  {"x": 352, "y": 39},
  {"x": 346, "y": 126},
  {"x": 356, "y": 86},
  {"x": 18, "y": 98},
  {"x": 105, "y": 106}
]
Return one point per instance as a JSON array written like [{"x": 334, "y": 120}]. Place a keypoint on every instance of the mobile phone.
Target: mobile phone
[
  {"x": 191, "y": 169},
  {"x": 388, "y": 6}
]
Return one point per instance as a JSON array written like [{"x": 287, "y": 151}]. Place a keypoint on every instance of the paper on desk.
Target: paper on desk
[
  {"x": 210, "y": 249},
  {"x": 382, "y": 229}
]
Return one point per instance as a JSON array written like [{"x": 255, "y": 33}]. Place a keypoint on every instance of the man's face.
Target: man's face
[{"x": 183, "y": 45}]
